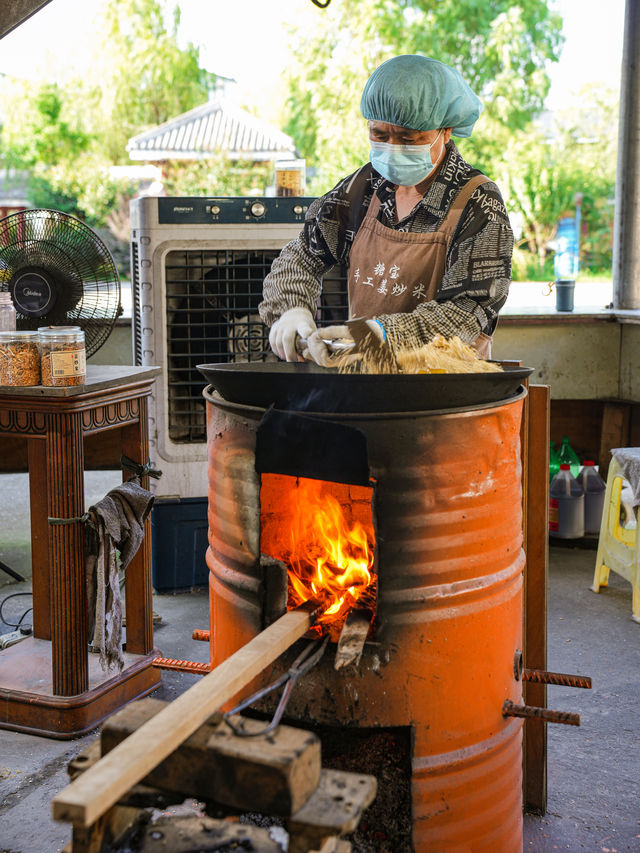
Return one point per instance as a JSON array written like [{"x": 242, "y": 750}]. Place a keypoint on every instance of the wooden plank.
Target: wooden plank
[
  {"x": 616, "y": 420},
  {"x": 92, "y": 794},
  {"x": 334, "y": 809},
  {"x": 273, "y": 774},
  {"x": 352, "y": 639},
  {"x": 535, "y": 595},
  {"x": 138, "y": 797}
]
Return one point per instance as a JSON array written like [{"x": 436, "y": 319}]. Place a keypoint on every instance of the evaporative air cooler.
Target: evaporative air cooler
[{"x": 197, "y": 267}]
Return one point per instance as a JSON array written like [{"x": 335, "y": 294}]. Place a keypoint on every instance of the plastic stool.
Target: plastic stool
[{"x": 618, "y": 547}]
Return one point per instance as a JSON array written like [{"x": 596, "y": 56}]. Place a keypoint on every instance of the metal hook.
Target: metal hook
[{"x": 305, "y": 661}]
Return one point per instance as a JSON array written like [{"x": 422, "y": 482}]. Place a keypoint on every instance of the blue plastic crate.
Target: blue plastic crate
[{"x": 179, "y": 542}]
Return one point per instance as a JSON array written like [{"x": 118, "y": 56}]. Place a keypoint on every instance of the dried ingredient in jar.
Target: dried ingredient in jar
[
  {"x": 19, "y": 364},
  {"x": 63, "y": 364}
]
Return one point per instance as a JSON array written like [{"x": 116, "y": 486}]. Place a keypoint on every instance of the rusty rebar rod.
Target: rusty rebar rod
[
  {"x": 182, "y": 665},
  {"x": 510, "y": 709},
  {"x": 543, "y": 676},
  {"x": 201, "y": 634}
]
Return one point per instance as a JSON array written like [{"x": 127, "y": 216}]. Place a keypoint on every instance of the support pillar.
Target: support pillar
[{"x": 626, "y": 241}]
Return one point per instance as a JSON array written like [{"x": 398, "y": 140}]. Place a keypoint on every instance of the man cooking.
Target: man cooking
[{"x": 424, "y": 236}]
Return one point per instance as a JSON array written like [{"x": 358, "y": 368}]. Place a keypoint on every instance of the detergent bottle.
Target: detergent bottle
[
  {"x": 566, "y": 505},
  {"x": 593, "y": 486}
]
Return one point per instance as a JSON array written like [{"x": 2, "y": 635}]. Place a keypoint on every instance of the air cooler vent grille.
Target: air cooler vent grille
[{"x": 212, "y": 299}]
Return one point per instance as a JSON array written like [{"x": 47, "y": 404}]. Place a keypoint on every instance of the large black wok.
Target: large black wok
[{"x": 304, "y": 386}]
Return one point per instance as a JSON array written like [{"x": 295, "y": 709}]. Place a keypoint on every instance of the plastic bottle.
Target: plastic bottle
[
  {"x": 568, "y": 456},
  {"x": 593, "y": 486},
  {"x": 7, "y": 313},
  {"x": 554, "y": 462},
  {"x": 566, "y": 505}
]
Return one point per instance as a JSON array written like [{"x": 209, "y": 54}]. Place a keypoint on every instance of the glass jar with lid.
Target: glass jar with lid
[
  {"x": 63, "y": 355},
  {"x": 290, "y": 177},
  {"x": 7, "y": 312},
  {"x": 19, "y": 358}
]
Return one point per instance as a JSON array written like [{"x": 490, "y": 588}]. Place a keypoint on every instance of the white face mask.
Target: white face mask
[{"x": 405, "y": 165}]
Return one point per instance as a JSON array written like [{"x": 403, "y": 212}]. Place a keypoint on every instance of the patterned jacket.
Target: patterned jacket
[{"x": 478, "y": 264}]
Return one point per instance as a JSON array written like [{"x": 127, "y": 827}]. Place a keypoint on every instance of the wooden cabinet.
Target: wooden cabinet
[{"x": 50, "y": 684}]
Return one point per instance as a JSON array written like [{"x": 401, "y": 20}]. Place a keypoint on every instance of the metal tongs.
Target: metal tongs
[
  {"x": 365, "y": 342},
  {"x": 305, "y": 661},
  {"x": 334, "y": 345}
]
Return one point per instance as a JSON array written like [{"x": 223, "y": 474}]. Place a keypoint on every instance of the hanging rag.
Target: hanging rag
[{"x": 114, "y": 532}]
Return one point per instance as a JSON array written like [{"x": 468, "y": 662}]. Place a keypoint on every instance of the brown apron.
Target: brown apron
[{"x": 392, "y": 272}]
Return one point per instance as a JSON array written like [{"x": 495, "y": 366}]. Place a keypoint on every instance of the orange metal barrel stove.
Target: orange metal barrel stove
[{"x": 449, "y": 561}]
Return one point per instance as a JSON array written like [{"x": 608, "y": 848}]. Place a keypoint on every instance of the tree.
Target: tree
[
  {"x": 145, "y": 77},
  {"x": 41, "y": 126},
  {"x": 501, "y": 49},
  {"x": 541, "y": 173},
  {"x": 68, "y": 136}
]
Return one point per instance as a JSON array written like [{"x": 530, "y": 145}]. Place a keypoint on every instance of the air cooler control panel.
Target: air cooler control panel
[{"x": 229, "y": 210}]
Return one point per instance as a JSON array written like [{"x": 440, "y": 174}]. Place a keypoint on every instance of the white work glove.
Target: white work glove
[
  {"x": 294, "y": 323},
  {"x": 318, "y": 351}
]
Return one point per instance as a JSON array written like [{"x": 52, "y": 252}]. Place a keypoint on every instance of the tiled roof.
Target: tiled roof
[{"x": 211, "y": 128}]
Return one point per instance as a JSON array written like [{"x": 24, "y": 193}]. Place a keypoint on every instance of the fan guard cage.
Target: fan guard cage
[{"x": 73, "y": 259}]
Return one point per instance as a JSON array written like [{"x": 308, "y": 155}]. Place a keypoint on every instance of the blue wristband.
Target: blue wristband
[{"x": 384, "y": 334}]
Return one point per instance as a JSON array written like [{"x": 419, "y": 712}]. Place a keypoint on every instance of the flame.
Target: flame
[{"x": 329, "y": 554}]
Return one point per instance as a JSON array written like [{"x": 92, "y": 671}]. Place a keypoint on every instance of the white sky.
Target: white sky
[{"x": 246, "y": 40}]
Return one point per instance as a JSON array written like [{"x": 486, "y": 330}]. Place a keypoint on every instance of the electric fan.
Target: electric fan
[{"x": 59, "y": 273}]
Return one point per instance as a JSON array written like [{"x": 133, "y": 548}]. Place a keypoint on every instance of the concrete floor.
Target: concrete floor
[{"x": 593, "y": 771}]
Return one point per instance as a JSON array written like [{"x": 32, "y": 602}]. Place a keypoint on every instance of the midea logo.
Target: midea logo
[{"x": 27, "y": 292}]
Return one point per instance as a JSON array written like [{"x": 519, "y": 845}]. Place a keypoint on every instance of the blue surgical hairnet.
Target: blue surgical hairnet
[{"x": 422, "y": 94}]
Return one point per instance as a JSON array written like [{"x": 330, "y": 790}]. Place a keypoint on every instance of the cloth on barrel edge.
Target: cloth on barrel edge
[
  {"x": 628, "y": 458},
  {"x": 116, "y": 523}
]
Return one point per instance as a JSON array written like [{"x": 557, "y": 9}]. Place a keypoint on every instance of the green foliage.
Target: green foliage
[
  {"x": 540, "y": 177},
  {"x": 67, "y": 137},
  {"x": 83, "y": 188},
  {"x": 41, "y": 126},
  {"x": 501, "y": 48},
  {"x": 146, "y": 77},
  {"x": 527, "y": 267},
  {"x": 42, "y": 193}
]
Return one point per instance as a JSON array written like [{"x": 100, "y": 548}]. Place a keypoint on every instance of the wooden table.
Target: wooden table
[{"x": 50, "y": 684}]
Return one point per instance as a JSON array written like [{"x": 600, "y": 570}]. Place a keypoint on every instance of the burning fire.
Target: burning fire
[{"x": 328, "y": 552}]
